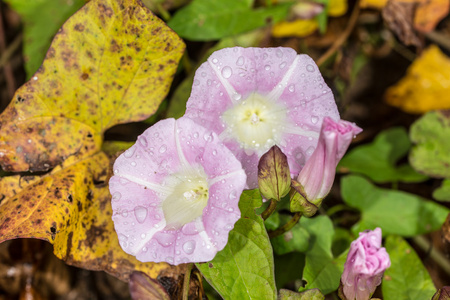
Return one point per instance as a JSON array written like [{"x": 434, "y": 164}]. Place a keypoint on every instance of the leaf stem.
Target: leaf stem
[
  {"x": 286, "y": 227},
  {"x": 186, "y": 281},
  {"x": 270, "y": 209},
  {"x": 164, "y": 13},
  {"x": 343, "y": 37},
  {"x": 434, "y": 253}
]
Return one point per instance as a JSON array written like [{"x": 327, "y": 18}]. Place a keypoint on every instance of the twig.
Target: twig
[
  {"x": 435, "y": 254},
  {"x": 7, "y": 69},
  {"x": 186, "y": 281},
  {"x": 6, "y": 55},
  {"x": 439, "y": 38},
  {"x": 343, "y": 37}
]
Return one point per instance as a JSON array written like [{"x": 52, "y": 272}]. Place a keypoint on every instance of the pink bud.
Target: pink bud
[
  {"x": 365, "y": 265},
  {"x": 317, "y": 175}
]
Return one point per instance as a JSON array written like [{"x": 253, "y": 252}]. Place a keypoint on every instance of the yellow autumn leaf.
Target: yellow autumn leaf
[
  {"x": 112, "y": 62},
  {"x": 376, "y": 4},
  {"x": 337, "y": 8},
  {"x": 298, "y": 28},
  {"x": 70, "y": 208},
  {"x": 426, "y": 85}
]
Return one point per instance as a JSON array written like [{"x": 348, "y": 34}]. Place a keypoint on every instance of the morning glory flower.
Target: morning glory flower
[
  {"x": 175, "y": 194},
  {"x": 365, "y": 266},
  {"x": 254, "y": 98},
  {"x": 317, "y": 176}
]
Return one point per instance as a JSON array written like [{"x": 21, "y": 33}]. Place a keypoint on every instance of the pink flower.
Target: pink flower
[
  {"x": 254, "y": 98},
  {"x": 365, "y": 265},
  {"x": 175, "y": 194},
  {"x": 317, "y": 176}
]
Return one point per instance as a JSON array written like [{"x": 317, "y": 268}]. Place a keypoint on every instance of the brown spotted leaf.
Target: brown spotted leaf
[
  {"x": 112, "y": 62},
  {"x": 70, "y": 208}
]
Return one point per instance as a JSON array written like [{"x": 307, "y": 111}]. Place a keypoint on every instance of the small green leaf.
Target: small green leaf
[
  {"x": 322, "y": 270},
  {"x": 407, "y": 278},
  {"x": 42, "y": 20},
  {"x": 296, "y": 239},
  {"x": 430, "y": 154},
  {"x": 274, "y": 177},
  {"x": 204, "y": 20},
  {"x": 313, "y": 294},
  {"x": 378, "y": 160},
  {"x": 395, "y": 212},
  {"x": 442, "y": 193},
  {"x": 244, "y": 269}
]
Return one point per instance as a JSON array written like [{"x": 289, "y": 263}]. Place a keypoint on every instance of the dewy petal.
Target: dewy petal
[
  {"x": 175, "y": 193},
  {"x": 280, "y": 91},
  {"x": 365, "y": 265}
]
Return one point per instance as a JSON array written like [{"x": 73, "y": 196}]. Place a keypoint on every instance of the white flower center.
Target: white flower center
[
  {"x": 256, "y": 123},
  {"x": 188, "y": 198}
]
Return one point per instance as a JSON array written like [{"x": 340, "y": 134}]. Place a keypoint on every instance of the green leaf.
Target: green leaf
[
  {"x": 395, "y": 212},
  {"x": 431, "y": 136},
  {"x": 205, "y": 20},
  {"x": 322, "y": 270},
  {"x": 244, "y": 269},
  {"x": 296, "y": 239},
  {"x": 407, "y": 278},
  {"x": 42, "y": 19},
  {"x": 313, "y": 294},
  {"x": 378, "y": 160},
  {"x": 289, "y": 268},
  {"x": 442, "y": 193}
]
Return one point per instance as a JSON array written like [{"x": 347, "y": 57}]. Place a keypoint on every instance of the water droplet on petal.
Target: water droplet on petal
[
  {"x": 133, "y": 163},
  {"x": 215, "y": 60},
  {"x": 240, "y": 61},
  {"x": 189, "y": 247},
  {"x": 291, "y": 88},
  {"x": 214, "y": 152},
  {"x": 143, "y": 235},
  {"x": 226, "y": 72},
  {"x": 164, "y": 239},
  {"x": 310, "y": 68},
  {"x": 125, "y": 213},
  {"x": 232, "y": 195},
  {"x": 267, "y": 67},
  {"x": 140, "y": 213},
  {"x": 237, "y": 96},
  {"x": 314, "y": 119},
  {"x": 196, "y": 82},
  {"x": 129, "y": 152},
  {"x": 282, "y": 65},
  {"x": 143, "y": 141},
  {"x": 279, "y": 53},
  {"x": 169, "y": 259},
  {"x": 162, "y": 149},
  {"x": 203, "y": 74}
]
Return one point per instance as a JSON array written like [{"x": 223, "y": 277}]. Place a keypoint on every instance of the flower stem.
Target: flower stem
[
  {"x": 286, "y": 227},
  {"x": 186, "y": 281},
  {"x": 270, "y": 209}
]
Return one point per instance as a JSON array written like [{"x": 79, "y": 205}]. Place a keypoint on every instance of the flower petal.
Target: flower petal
[
  {"x": 287, "y": 87},
  {"x": 168, "y": 157}
]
